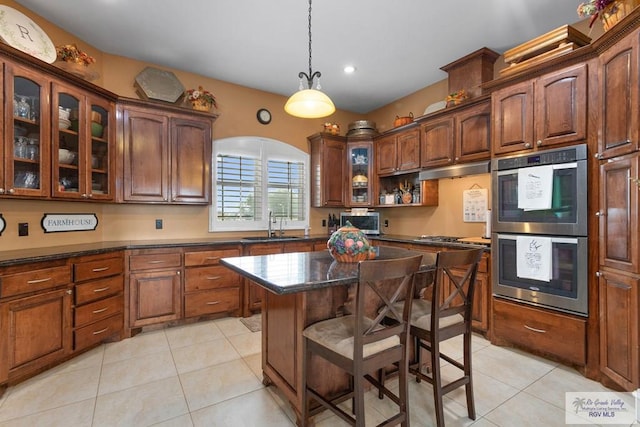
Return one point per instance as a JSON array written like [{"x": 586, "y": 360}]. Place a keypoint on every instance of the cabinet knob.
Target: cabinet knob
[
  {"x": 11, "y": 191},
  {"x": 599, "y": 213},
  {"x": 527, "y": 145},
  {"x": 90, "y": 195},
  {"x": 84, "y": 196},
  {"x": 178, "y": 273},
  {"x": 1, "y": 190},
  {"x": 539, "y": 142},
  {"x": 69, "y": 291},
  {"x": 598, "y": 274},
  {"x": 597, "y": 155}
]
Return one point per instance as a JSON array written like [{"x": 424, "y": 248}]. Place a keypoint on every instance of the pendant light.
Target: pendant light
[{"x": 309, "y": 103}]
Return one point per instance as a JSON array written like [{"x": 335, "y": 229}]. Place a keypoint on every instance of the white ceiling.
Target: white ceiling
[{"x": 398, "y": 46}]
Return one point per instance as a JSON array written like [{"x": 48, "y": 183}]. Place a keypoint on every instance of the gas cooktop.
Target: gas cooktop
[{"x": 444, "y": 239}]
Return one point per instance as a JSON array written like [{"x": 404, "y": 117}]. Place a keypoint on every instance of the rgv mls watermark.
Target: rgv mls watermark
[{"x": 600, "y": 408}]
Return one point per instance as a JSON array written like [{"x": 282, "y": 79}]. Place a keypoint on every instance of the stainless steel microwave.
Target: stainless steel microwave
[{"x": 368, "y": 222}]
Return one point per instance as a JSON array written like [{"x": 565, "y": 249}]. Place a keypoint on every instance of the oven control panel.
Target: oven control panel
[{"x": 547, "y": 157}]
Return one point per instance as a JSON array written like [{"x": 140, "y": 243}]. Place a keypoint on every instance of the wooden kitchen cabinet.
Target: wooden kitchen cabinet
[
  {"x": 155, "y": 286},
  {"x": 32, "y": 136},
  {"x": 360, "y": 173},
  {"x": 540, "y": 113},
  {"x": 166, "y": 154},
  {"x": 25, "y": 174},
  {"x": 328, "y": 170},
  {"x": 618, "y": 301},
  {"x": 618, "y": 214},
  {"x": 210, "y": 288},
  {"x": 91, "y": 139},
  {"x": 398, "y": 151},
  {"x": 619, "y": 97},
  {"x": 619, "y": 272},
  {"x": 35, "y": 318},
  {"x": 99, "y": 299},
  {"x": 461, "y": 136},
  {"x": 548, "y": 333}
]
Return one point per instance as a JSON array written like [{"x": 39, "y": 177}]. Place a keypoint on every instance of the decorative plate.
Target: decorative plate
[
  {"x": 436, "y": 106},
  {"x": 20, "y": 32},
  {"x": 162, "y": 85}
]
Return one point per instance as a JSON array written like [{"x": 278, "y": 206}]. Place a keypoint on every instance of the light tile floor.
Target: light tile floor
[{"x": 208, "y": 374}]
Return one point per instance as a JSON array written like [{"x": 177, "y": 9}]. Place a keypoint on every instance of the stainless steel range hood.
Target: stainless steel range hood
[{"x": 455, "y": 171}]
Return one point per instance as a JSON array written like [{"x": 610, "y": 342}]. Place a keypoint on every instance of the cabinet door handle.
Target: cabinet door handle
[
  {"x": 100, "y": 331},
  {"x": 34, "y": 281},
  {"x": 157, "y": 261},
  {"x": 100, "y": 290},
  {"x": 102, "y": 310},
  {"x": 99, "y": 269},
  {"x": 541, "y": 331},
  {"x": 213, "y": 302},
  {"x": 214, "y": 277}
]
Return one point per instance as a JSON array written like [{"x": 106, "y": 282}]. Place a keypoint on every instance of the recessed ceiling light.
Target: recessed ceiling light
[{"x": 349, "y": 69}]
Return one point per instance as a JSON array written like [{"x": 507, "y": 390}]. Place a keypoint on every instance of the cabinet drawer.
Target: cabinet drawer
[
  {"x": 32, "y": 281},
  {"x": 96, "y": 269},
  {"x": 98, "y": 310},
  {"x": 97, "y": 332},
  {"x": 97, "y": 289},
  {"x": 552, "y": 333},
  {"x": 208, "y": 257},
  {"x": 151, "y": 261},
  {"x": 198, "y": 279},
  {"x": 215, "y": 301}
]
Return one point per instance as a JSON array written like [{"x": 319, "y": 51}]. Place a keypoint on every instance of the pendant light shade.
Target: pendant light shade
[{"x": 309, "y": 103}]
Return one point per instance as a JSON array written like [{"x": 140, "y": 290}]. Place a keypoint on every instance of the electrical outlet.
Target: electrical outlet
[
  {"x": 23, "y": 229},
  {"x": 324, "y": 222},
  {"x": 386, "y": 222},
  {"x": 158, "y": 224}
]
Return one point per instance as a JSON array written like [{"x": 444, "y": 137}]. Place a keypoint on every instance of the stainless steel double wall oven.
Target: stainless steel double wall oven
[{"x": 564, "y": 224}]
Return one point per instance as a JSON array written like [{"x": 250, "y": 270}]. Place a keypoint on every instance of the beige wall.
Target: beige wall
[{"x": 237, "y": 109}]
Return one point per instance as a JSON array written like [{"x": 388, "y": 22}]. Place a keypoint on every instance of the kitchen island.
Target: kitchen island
[{"x": 304, "y": 288}]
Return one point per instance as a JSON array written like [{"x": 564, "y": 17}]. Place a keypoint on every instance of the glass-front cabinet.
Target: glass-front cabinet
[
  {"x": 81, "y": 134},
  {"x": 58, "y": 136},
  {"x": 360, "y": 173},
  {"x": 26, "y": 149}
]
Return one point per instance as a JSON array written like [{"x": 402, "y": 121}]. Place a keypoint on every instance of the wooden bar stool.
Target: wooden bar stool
[
  {"x": 447, "y": 314},
  {"x": 361, "y": 344}
]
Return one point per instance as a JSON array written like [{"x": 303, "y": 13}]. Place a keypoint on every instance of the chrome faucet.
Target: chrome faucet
[
  {"x": 281, "y": 229},
  {"x": 272, "y": 220}
]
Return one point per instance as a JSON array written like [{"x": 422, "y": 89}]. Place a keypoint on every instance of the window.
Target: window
[{"x": 253, "y": 176}]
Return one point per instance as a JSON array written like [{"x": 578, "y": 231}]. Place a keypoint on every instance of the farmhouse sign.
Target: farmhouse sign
[{"x": 55, "y": 223}]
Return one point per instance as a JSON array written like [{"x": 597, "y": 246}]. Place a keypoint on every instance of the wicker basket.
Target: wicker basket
[
  {"x": 616, "y": 11},
  {"x": 363, "y": 256}
]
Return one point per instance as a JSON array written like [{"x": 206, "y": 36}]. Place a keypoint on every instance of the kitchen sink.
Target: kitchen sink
[{"x": 265, "y": 238}]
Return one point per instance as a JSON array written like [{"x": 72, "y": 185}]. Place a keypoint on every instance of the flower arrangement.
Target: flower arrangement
[
  {"x": 71, "y": 53},
  {"x": 594, "y": 8},
  {"x": 456, "y": 98},
  {"x": 201, "y": 95}
]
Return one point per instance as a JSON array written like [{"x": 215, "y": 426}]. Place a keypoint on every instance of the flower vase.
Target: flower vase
[
  {"x": 350, "y": 244},
  {"x": 201, "y": 105},
  {"x": 616, "y": 11}
]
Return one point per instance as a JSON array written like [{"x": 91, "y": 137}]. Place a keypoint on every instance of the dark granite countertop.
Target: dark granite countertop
[
  {"x": 305, "y": 271},
  {"x": 24, "y": 256}
]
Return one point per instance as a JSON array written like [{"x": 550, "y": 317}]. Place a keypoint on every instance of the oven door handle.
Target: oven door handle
[{"x": 540, "y": 331}]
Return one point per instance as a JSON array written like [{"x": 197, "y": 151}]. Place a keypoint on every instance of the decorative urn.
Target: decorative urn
[{"x": 350, "y": 244}]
